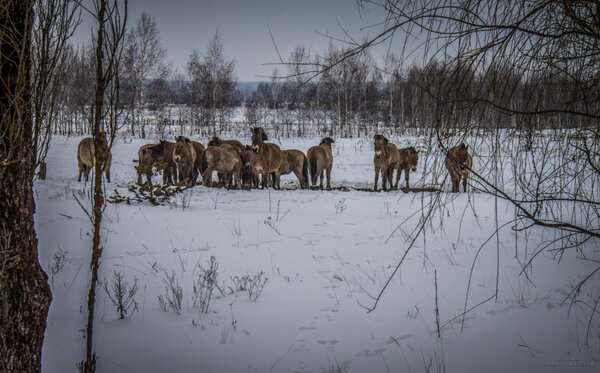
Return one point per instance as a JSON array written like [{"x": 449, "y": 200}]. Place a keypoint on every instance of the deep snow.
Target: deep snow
[{"x": 325, "y": 253}]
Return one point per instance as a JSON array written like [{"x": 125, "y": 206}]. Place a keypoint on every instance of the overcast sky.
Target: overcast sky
[{"x": 242, "y": 24}]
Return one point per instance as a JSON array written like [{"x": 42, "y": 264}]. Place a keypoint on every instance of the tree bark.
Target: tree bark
[{"x": 25, "y": 295}]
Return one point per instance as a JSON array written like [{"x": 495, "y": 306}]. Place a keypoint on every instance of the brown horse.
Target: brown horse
[
  {"x": 199, "y": 148},
  {"x": 409, "y": 157},
  {"x": 159, "y": 155},
  {"x": 458, "y": 161},
  {"x": 226, "y": 161},
  {"x": 320, "y": 160},
  {"x": 238, "y": 146},
  {"x": 86, "y": 156},
  {"x": 385, "y": 161},
  {"x": 295, "y": 161},
  {"x": 249, "y": 174},
  {"x": 184, "y": 156},
  {"x": 267, "y": 157}
]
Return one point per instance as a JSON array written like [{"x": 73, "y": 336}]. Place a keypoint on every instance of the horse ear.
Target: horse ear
[
  {"x": 264, "y": 136},
  {"x": 463, "y": 145},
  {"x": 385, "y": 140},
  {"x": 187, "y": 140}
]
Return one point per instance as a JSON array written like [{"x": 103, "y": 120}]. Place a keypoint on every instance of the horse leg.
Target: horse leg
[
  {"x": 329, "y": 177},
  {"x": 390, "y": 177},
  {"x": 465, "y": 183},
  {"x": 207, "y": 175},
  {"x": 148, "y": 178},
  {"x": 275, "y": 178},
  {"x": 321, "y": 177},
  {"x": 298, "y": 174},
  {"x": 376, "y": 178},
  {"x": 81, "y": 171},
  {"x": 455, "y": 183},
  {"x": 86, "y": 174}
]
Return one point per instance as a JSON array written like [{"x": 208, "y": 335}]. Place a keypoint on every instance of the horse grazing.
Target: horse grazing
[
  {"x": 86, "y": 156},
  {"x": 458, "y": 161},
  {"x": 159, "y": 155},
  {"x": 320, "y": 160},
  {"x": 385, "y": 161},
  {"x": 409, "y": 157},
  {"x": 226, "y": 161},
  {"x": 293, "y": 160},
  {"x": 267, "y": 157},
  {"x": 238, "y": 146},
  {"x": 184, "y": 156}
]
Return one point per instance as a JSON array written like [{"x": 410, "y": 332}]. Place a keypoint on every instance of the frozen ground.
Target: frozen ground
[{"x": 325, "y": 255}]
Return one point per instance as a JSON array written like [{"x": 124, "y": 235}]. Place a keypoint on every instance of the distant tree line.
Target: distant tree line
[{"x": 352, "y": 97}]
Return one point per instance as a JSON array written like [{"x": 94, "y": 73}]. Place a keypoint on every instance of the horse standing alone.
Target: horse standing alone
[
  {"x": 458, "y": 161},
  {"x": 86, "y": 157},
  {"x": 320, "y": 161}
]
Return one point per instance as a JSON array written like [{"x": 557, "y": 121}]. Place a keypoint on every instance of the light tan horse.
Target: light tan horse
[
  {"x": 320, "y": 161},
  {"x": 385, "y": 161},
  {"x": 267, "y": 157},
  {"x": 86, "y": 156},
  {"x": 458, "y": 161},
  {"x": 238, "y": 146},
  {"x": 409, "y": 158},
  {"x": 226, "y": 161},
  {"x": 184, "y": 156},
  {"x": 293, "y": 160}
]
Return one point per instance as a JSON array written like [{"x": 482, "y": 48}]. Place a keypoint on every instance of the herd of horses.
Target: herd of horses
[{"x": 262, "y": 163}]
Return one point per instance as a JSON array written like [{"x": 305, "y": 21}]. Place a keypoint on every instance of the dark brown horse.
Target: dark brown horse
[
  {"x": 320, "y": 160},
  {"x": 86, "y": 157},
  {"x": 409, "y": 157},
  {"x": 184, "y": 156},
  {"x": 385, "y": 161},
  {"x": 267, "y": 157},
  {"x": 295, "y": 161},
  {"x": 458, "y": 161},
  {"x": 159, "y": 155}
]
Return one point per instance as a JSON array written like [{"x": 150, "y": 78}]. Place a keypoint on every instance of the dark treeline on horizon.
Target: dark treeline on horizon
[{"x": 353, "y": 97}]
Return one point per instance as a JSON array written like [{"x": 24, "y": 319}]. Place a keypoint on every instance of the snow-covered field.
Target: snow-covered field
[{"x": 326, "y": 254}]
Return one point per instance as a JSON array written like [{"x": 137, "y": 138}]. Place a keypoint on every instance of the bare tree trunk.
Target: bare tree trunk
[
  {"x": 110, "y": 32},
  {"x": 25, "y": 296}
]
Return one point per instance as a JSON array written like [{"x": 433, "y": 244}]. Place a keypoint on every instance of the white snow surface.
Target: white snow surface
[{"x": 326, "y": 254}]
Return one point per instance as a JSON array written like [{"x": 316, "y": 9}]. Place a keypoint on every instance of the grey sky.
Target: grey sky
[{"x": 242, "y": 24}]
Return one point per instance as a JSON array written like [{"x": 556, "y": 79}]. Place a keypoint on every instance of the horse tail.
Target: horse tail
[
  {"x": 305, "y": 169},
  {"x": 313, "y": 168}
]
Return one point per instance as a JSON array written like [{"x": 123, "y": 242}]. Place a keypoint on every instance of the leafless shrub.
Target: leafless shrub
[
  {"x": 340, "y": 206},
  {"x": 173, "y": 296},
  {"x": 205, "y": 286},
  {"x": 252, "y": 284},
  {"x": 122, "y": 294}
]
